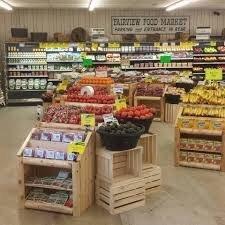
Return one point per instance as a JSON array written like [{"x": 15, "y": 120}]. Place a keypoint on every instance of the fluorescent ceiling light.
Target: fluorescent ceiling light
[
  {"x": 92, "y": 5},
  {"x": 178, "y": 5},
  {"x": 5, "y": 5}
]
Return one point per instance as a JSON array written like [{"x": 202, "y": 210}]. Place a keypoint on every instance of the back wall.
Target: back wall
[{"x": 64, "y": 20}]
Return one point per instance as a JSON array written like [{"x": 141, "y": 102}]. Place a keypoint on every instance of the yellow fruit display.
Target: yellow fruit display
[
  {"x": 212, "y": 94},
  {"x": 201, "y": 111}
]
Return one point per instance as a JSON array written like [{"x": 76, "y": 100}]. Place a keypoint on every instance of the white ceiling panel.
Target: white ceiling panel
[{"x": 129, "y": 4}]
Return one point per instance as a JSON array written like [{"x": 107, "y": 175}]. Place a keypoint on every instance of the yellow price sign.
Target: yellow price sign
[
  {"x": 114, "y": 45},
  {"x": 76, "y": 147},
  {"x": 157, "y": 44},
  {"x": 121, "y": 103},
  {"x": 94, "y": 46},
  {"x": 88, "y": 120},
  {"x": 213, "y": 74},
  {"x": 137, "y": 44},
  {"x": 213, "y": 43}
]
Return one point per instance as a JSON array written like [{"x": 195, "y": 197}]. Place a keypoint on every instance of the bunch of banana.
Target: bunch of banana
[{"x": 204, "y": 111}]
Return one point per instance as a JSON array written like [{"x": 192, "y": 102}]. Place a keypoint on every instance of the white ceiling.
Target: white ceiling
[{"x": 131, "y": 4}]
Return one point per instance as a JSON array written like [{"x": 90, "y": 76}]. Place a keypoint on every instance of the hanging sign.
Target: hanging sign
[
  {"x": 137, "y": 44},
  {"x": 150, "y": 24},
  {"x": 213, "y": 74},
  {"x": 114, "y": 45}
]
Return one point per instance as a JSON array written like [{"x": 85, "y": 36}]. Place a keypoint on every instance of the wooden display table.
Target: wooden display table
[{"x": 82, "y": 170}]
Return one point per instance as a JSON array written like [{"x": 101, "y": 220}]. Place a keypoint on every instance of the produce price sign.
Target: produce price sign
[
  {"x": 118, "y": 89},
  {"x": 88, "y": 120},
  {"x": 213, "y": 74},
  {"x": 165, "y": 58},
  {"x": 77, "y": 147},
  {"x": 150, "y": 24},
  {"x": 137, "y": 44},
  {"x": 114, "y": 45},
  {"x": 121, "y": 103}
]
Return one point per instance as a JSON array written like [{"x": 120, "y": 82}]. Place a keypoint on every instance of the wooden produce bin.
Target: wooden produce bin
[
  {"x": 119, "y": 183},
  {"x": 152, "y": 177},
  {"x": 115, "y": 166},
  {"x": 171, "y": 111},
  {"x": 82, "y": 170},
  {"x": 200, "y": 142},
  {"x": 121, "y": 196},
  {"x": 149, "y": 144}
]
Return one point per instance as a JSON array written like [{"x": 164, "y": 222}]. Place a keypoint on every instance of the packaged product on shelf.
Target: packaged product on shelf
[
  {"x": 45, "y": 136},
  {"x": 217, "y": 146},
  {"x": 12, "y": 84},
  {"x": 18, "y": 84},
  {"x": 50, "y": 154},
  {"x": 208, "y": 146},
  {"x": 56, "y": 136},
  {"x": 39, "y": 153},
  {"x": 217, "y": 159},
  {"x": 183, "y": 156},
  {"x": 199, "y": 157},
  {"x": 191, "y": 157},
  {"x": 191, "y": 144},
  {"x": 184, "y": 143},
  {"x": 209, "y": 158}
]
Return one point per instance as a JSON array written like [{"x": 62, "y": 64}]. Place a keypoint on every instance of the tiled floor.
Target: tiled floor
[{"x": 188, "y": 196}]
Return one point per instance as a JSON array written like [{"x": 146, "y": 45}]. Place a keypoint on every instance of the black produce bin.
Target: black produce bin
[
  {"x": 172, "y": 99},
  {"x": 115, "y": 142}
]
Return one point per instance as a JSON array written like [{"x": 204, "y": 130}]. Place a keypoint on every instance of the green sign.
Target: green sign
[
  {"x": 165, "y": 58},
  {"x": 213, "y": 74},
  {"x": 87, "y": 63}
]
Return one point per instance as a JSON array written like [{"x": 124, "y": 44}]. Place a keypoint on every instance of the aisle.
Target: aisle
[
  {"x": 188, "y": 196},
  {"x": 15, "y": 124}
]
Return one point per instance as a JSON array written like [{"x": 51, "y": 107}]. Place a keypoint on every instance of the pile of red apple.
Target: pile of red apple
[
  {"x": 96, "y": 99},
  {"x": 76, "y": 89},
  {"x": 144, "y": 89},
  {"x": 71, "y": 114},
  {"x": 141, "y": 112}
]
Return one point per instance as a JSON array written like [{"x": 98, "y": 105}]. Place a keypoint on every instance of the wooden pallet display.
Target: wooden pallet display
[
  {"x": 121, "y": 196},
  {"x": 195, "y": 126},
  {"x": 149, "y": 144},
  {"x": 83, "y": 174},
  {"x": 152, "y": 177},
  {"x": 171, "y": 111}
]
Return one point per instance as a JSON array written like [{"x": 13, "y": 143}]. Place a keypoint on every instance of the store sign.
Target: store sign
[
  {"x": 150, "y": 24},
  {"x": 213, "y": 74}
]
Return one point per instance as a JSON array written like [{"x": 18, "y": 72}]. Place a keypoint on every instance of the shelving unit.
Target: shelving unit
[
  {"x": 82, "y": 170},
  {"x": 200, "y": 142}
]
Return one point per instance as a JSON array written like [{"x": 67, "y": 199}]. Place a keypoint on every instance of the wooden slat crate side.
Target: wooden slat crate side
[
  {"x": 149, "y": 144},
  {"x": 171, "y": 112},
  {"x": 117, "y": 198},
  {"x": 111, "y": 166}
]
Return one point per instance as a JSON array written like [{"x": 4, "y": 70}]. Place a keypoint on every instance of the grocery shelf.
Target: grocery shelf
[
  {"x": 207, "y": 63},
  {"x": 154, "y": 68},
  {"x": 23, "y": 101},
  {"x": 48, "y": 207},
  {"x": 107, "y": 63},
  {"x": 83, "y": 104},
  {"x": 25, "y": 57},
  {"x": 47, "y": 187},
  {"x": 54, "y": 80},
  {"x": 64, "y": 61},
  {"x": 60, "y": 70},
  {"x": 173, "y": 59},
  {"x": 27, "y": 90},
  {"x": 11, "y": 64},
  {"x": 200, "y": 165},
  {"x": 47, "y": 162},
  {"x": 201, "y": 150},
  {"x": 28, "y": 70},
  {"x": 22, "y": 76},
  {"x": 209, "y": 54},
  {"x": 203, "y": 131}
]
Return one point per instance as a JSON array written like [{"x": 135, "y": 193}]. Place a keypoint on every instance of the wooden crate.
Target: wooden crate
[
  {"x": 120, "y": 197},
  {"x": 156, "y": 102},
  {"x": 152, "y": 177},
  {"x": 171, "y": 112},
  {"x": 149, "y": 144},
  {"x": 83, "y": 174},
  {"x": 115, "y": 166}
]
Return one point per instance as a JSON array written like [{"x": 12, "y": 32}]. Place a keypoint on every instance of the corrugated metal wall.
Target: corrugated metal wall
[{"x": 64, "y": 20}]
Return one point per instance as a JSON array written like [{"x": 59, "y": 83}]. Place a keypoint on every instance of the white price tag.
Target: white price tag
[
  {"x": 27, "y": 152},
  {"x": 118, "y": 89},
  {"x": 60, "y": 155},
  {"x": 39, "y": 153},
  {"x": 56, "y": 137},
  {"x": 50, "y": 154},
  {"x": 108, "y": 118}
]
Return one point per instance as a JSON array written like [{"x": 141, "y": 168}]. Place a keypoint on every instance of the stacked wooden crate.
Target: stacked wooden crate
[
  {"x": 150, "y": 172},
  {"x": 119, "y": 184}
]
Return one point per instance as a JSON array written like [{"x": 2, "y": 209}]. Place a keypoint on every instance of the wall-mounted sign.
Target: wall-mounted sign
[{"x": 150, "y": 24}]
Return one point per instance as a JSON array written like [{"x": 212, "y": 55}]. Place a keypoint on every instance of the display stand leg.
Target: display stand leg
[{"x": 177, "y": 146}]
